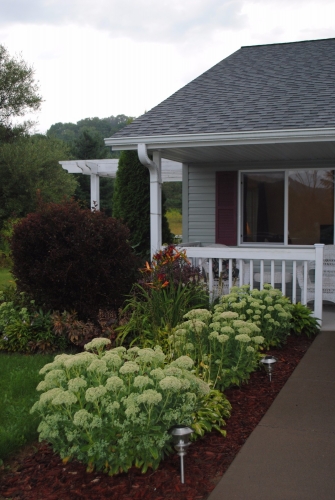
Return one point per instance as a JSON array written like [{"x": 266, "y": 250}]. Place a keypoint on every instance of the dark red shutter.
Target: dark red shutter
[{"x": 226, "y": 208}]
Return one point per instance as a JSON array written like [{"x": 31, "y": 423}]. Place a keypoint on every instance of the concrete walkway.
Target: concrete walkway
[{"x": 291, "y": 453}]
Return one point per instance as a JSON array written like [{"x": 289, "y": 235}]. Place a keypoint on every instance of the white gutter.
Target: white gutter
[
  {"x": 155, "y": 196},
  {"x": 223, "y": 138}
]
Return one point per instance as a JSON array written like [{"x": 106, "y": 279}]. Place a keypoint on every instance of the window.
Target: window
[
  {"x": 311, "y": 207},
  {"x": 295, "y": 207},
  {"x": 263, "y": 207}
]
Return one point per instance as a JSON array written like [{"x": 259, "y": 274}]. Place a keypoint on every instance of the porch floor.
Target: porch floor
[
  {"x": 291, "y": 453},
  {"x": 328, "y": 319}
]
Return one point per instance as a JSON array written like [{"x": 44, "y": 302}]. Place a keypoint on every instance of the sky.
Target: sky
[{"x": 109, "y": 57}]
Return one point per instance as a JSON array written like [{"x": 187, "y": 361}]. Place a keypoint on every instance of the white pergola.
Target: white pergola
[
  {"x": 171, "y": 172},
  {"x": 168, "y": 171}
]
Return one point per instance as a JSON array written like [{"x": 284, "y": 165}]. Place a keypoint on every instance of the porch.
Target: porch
[{"x": 299, "y": 272}]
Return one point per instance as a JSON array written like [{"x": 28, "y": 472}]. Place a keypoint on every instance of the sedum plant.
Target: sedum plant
[
  {"x": 112, "y": 409},
  {"x": 268, "y": 309},
  {"x": 224, "y": 348}
]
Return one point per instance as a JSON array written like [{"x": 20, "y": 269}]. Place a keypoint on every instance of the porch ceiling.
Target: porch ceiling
[
  {"x": 261, "y": 152},
  {"x": 307, "y": 144}
]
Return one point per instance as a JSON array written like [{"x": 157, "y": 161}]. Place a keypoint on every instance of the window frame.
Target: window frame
[{"x": 240, "y": 241}]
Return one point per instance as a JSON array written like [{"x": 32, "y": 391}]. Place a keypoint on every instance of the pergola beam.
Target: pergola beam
[{"x": 171, "y": 171}]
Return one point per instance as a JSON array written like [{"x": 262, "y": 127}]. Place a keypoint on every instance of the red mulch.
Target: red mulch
[{"x": 38, "y": 474}]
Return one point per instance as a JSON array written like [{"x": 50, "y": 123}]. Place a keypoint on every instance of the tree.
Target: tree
[
  {"x": 28, "y": 166},
  {"x": 131, "y": 202},
  {"x": 18, "y": 90},
  {"x": 173, "y": 194},
  {"x": 86, "y": 142},
  {"x": 104, "y": 127},
  {"x": 89, "y": 145}
]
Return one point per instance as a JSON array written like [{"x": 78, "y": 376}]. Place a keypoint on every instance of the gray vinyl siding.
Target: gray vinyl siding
[{"x": 201, "y": 204}]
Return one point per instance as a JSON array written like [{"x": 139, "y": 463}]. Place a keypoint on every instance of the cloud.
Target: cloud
[
  {"x": 146, "y": 20},
  {"x": 107, "y": 57}
]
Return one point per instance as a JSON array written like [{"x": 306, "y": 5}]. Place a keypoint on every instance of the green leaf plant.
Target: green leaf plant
[
  {"x": 303, "y": 321},
  {"x": 169, "y": 287}
]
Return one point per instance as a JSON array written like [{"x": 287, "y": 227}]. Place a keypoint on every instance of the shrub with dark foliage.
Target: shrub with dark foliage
[{"x": 70, "y": 258}]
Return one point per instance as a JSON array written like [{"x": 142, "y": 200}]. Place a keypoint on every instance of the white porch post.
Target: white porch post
[
  {"x": 95, "y": 191},
  {"x": 155, "y": 196},
  {"x": 318, "y": 280}
]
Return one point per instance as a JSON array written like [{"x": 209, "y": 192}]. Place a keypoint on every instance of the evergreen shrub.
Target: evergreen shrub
[
  {"x": 71, "y": 258},
  {"x": 131, "y": 202}
]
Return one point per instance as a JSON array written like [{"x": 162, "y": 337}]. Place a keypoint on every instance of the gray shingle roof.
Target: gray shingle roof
[{"x": 264, "y": 87}]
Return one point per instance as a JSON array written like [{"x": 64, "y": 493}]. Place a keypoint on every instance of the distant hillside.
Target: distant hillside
[
  {"x": 86, "y": 141},
  {"x": 106, "y": 127}
]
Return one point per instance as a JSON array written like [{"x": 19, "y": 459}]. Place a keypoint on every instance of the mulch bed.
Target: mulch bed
[{"x": 38, "y": 474}]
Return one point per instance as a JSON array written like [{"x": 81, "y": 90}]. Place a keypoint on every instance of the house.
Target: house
[{"x": 256, "y": 137}]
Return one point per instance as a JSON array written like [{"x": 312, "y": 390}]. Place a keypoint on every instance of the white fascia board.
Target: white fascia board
[{"x": 224, "y": 139}]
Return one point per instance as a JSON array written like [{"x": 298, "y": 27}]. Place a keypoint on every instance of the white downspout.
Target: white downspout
[{"x": 155, "y": 195}]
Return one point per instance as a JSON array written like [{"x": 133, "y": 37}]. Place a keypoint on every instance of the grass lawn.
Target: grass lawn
[
  {"x": 175, "y": 221},
  {"x": 18, "y": 380},
  {"x": 5, "y": 278}
]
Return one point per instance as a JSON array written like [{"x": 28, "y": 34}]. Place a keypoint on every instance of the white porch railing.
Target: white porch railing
[{"x": 277, "y": 266}]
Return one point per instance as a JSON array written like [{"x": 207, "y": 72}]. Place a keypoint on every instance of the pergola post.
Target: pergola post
[{"x": 95, "y": 191}]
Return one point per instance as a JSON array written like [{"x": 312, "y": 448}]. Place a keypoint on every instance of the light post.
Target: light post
[
  {"x": 181, "y": 439},
  {"x": 268, "y": 363}
]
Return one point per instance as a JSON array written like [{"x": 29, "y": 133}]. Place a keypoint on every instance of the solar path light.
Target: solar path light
[
  {"x": 268, "y": 363},
  {"x": 181, "y": 440}
]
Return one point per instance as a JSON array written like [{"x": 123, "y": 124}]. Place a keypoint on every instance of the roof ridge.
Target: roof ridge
[{"x": 286, "y": 43}]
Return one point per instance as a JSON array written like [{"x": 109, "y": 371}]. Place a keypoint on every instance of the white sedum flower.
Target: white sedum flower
[
  {"x": 216, "y": 325},
  {"x": 64, "y": 398},
  {"x": 129, "y": 367},
  {"x": 114, "y": 384},
  {"x": 200, "y": 314},
  {"x": 170, "y": 383},
  {"x": 258, "y": 339},
  {"x": 229, "y": 315},
  {"x": 97, "y": 344},
  {"x": 94, "y": 393},
  {"x": 82, "y": 418},
  {"x": 148, "y": 355},
  {"x": 243, "y": 337},
  {"x": 183, "y": 362},
  {"x": 172, "y": 370},
  {"x": 112, "y": 360},
  {"x": 196, "y": 325},
  {"x": 157, "y": 373},
  {"x": 97, "y": 366},
  {"x": 42, "y": 386},
  {"x": 48, "y": 396},
  {"x": 76, "y": 384},
  {"x": 149, "y": 396},
  {"x": 227, "y": 330},
  {"x": 142, "y": 381}
]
